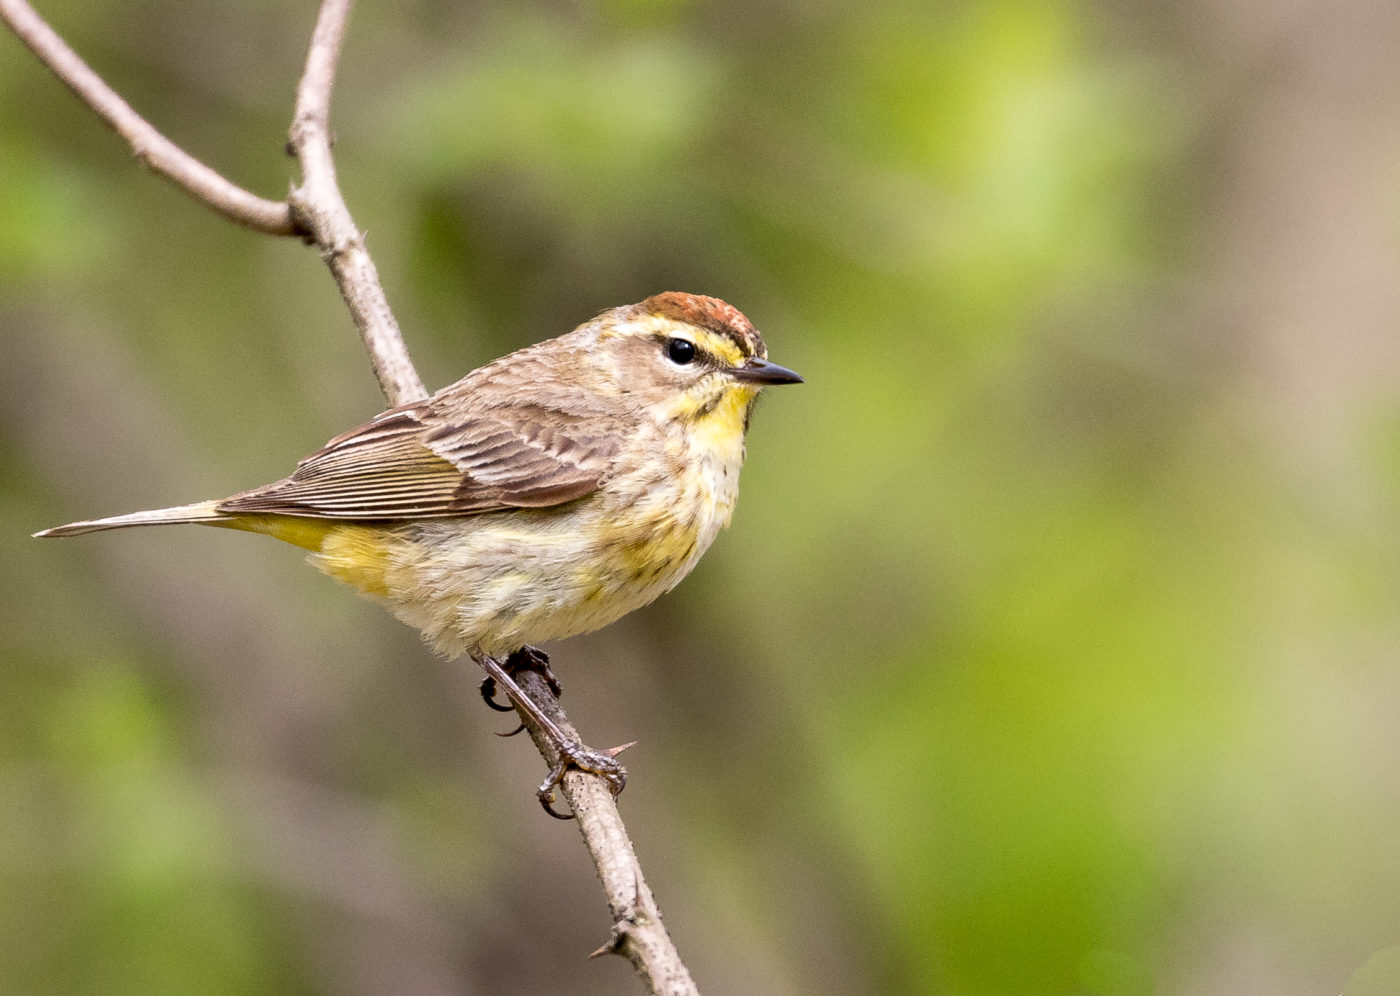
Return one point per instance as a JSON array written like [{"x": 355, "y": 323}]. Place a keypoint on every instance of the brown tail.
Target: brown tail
[{"x": 203, "y": 511}]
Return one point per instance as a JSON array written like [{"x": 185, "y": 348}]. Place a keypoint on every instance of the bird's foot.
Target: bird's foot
[
  {"x": 569, "y": 752},
  {"x": 572, "y": 754},
  {"x": 524, "y": 659},
  {"x": 534, "y": 659}
]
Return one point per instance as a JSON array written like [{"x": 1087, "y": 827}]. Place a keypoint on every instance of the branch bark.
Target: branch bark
[
  {"x": 156, "y": 152},
  {"x": 316, "y": 211},
  {"x": 638, "y": 932},
  {"x": 320, "y": 209}
]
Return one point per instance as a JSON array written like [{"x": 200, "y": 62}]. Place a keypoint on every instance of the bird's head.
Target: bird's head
[{"x": 689, "y": 358}]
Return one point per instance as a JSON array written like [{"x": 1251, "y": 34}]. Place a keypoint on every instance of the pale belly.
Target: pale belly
[{"x": 492, "y": 583}]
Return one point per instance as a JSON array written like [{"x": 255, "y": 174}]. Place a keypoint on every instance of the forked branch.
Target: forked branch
[
  {"x": 153, "y": 149},
  {"x": 316, "y": 211}
]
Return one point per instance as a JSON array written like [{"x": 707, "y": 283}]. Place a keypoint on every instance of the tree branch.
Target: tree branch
[
  {"x": 638, "y": 932},
  {"x": 319, "y": 207},
  {"x": 316, "y": 211},
  {"x": 154, "y": 150}
]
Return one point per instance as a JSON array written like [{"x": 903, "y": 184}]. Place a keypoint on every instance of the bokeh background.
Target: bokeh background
[{"x": 1055, "y": 647}]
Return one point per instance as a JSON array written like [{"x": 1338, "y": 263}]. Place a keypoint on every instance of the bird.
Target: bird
[{"x": 543, "y": 495}]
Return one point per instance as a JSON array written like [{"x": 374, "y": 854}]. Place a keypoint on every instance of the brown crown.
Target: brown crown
[{"x": 704, "y": 312}]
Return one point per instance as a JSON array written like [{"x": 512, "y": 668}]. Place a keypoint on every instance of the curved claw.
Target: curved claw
[
  {"x": 547, "y": 787},
  {"x": 488, "y": 692},
  {"x": 547, "y": 801},
  {"x": 512, "y": 733},
  {"x": 573, "y": 754}
]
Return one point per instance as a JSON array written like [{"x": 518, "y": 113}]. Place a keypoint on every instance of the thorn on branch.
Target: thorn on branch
[{"x": 612, "y": 947}]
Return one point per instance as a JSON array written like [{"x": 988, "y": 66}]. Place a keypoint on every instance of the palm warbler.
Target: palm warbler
[{"x": 543, "y": 495}]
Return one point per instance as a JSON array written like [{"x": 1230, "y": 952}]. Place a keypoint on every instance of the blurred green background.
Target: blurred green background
[{"x": 1053, "y": 649}]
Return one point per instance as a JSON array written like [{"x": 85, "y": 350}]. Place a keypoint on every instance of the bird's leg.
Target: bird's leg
[
  {"x": 524, "y": 659},
  {"x": 569, "y": 751}
]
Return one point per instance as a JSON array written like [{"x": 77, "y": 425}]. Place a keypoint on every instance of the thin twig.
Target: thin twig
[
  {"x": 638, "y": 933},
  {"x": 318, "y": 205},
  {"x": 315, "y": 210},
  {"x": 154, "y": 150}
]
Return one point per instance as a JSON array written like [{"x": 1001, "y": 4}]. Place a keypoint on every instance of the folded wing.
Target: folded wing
[{"x": 417, "y": 462}]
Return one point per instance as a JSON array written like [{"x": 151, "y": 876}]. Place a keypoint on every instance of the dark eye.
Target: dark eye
[{"x": 681, "y": 351}]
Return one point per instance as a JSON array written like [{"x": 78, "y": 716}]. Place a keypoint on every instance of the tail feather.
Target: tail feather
[{"x": 203, "y": 512}]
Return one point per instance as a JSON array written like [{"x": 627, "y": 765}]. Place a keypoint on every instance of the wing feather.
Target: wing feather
[{"x": 445, "y": 457}]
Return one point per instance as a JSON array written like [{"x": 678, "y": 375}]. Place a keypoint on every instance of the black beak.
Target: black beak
[{"x": 763, "y": 372}]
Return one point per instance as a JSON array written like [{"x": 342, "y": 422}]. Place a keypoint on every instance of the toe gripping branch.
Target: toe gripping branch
[
  {"x": 524, "y": 659},
  {"x": 569, "y": 751}
]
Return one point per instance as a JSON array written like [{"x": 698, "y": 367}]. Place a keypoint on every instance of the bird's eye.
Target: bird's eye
[{"x": 681, "y": 351}]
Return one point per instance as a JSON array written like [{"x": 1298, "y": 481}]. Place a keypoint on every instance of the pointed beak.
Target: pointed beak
[{"x": 763, "y": 372}]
